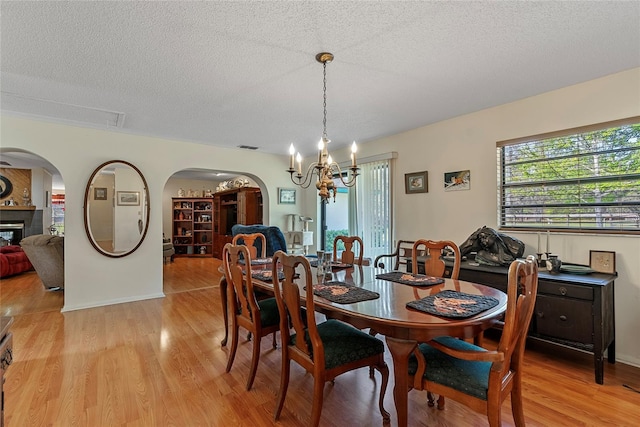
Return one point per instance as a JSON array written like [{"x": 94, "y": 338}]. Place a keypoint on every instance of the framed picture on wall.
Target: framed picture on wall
[
  {"x": 416, "y": 182},
  {"x": 128, "y": 198},
  {"x": 286, "y": 196},
  {"x": 100, "y": 193},
  {"x": 459, "y": 180}
]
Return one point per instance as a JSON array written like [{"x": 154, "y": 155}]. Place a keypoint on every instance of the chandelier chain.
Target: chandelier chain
[{"x": 324, "y": 103}]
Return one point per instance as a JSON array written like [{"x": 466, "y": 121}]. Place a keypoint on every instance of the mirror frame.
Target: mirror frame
[{"x": 87, "y": 196}]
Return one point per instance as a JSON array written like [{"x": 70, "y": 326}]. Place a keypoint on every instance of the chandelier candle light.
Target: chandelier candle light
[{"x": 325, "y": 168}]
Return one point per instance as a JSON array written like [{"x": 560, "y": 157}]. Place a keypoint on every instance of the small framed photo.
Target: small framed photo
[
  {"x": 286, "y": 196},
  {"x": 100, "y": 193},
  {"x": 416, "y": 182},
  {"x": 128, "y": 198},
  {"x": 603, "y": 261},
  {"x": 459, "y": 180}
]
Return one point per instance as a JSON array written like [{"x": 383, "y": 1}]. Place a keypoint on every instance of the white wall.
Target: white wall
[
  {"x": 469, "y": 142},
  {"x": 92, "y": 279}
]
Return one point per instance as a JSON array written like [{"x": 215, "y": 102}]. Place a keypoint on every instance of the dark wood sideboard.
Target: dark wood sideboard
[
  {"x": 572, "y": 310},
  {"x": 6, "y": 357}
]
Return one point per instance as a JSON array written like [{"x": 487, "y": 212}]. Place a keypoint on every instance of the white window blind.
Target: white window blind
[
  {"x": 373, "y": 207},
  {"x": 585, "y": 179}
]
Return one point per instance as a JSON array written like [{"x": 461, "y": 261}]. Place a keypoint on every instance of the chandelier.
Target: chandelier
[{"x": 324, "y": 169}]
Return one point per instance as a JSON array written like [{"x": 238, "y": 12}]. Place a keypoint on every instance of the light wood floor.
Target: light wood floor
[{"x": 159, "y": 363}]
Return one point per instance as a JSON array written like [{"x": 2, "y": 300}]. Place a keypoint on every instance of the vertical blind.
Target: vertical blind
[
  {"x": 579, "y": 179},
  {"x": 373, "y": 207}
]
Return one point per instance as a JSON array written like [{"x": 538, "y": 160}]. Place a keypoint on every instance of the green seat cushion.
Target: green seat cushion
[
  {"x": 466, "y": 376},
  {"x": 344, "y": 344},
  {"x": 269, "y": 315}
]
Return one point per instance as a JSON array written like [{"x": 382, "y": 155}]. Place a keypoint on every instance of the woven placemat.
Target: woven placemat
[
  {"x": 334, "y": 264},
  {"x": 266, "y": 275},
  {"x": 258, "y": 261},
  {"x": 410, "y": 279},
  {"x": 343, "y": 293},
  {"x": 454, "y": 304}
]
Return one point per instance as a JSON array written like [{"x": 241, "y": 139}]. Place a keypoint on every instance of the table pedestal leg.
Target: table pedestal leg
[
  {"x": 225, "y": 314},
  {"x": 400, "y": 351}
]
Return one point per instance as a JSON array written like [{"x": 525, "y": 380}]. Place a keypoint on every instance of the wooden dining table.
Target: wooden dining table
[{"x": 388, "y": 315}]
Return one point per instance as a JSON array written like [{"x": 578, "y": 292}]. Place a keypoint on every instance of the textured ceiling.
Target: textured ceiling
[{"x": 244, "y": 73}]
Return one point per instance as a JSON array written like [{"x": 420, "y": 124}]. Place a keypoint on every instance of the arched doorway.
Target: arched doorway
[
  {"x": 197, "y": 250},
  {"x": 29, "y": 207}
]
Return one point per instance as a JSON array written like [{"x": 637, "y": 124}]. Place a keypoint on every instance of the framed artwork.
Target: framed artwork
[
  {"x": 286, "y": 196},
  {"x": 459, "y": 180},
  {"x": 128, "y": 198},
  {"x": 416, "y": 182},
  {"x": 100, "y": 193},
  {"x": 603, "y": 261}
]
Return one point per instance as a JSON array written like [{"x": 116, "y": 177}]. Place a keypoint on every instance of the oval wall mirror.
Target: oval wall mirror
[{"x": 116, "y": 208}]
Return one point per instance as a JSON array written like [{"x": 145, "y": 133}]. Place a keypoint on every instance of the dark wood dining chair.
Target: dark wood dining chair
[
  {"x": 432, "y": 251},
  {"x": 252, "y": 241},
  {"x": 398, "y": 258},
  {"x": 260, "y": 318},
  {"x": 479, "y": 378},
  {"x": 325, "y": 350},
  {"x": 348, "y": 255}
]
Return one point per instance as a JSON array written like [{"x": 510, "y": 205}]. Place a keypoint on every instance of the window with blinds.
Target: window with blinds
[{"x": 585, "y": 179}]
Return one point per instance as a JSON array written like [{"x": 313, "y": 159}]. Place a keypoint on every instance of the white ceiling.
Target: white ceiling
[{"x": 244, "y": 72}]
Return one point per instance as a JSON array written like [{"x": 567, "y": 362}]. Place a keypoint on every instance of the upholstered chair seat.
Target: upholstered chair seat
[
  {"x": 344, "y": 344},
  {"x": 470, "y": 377}
]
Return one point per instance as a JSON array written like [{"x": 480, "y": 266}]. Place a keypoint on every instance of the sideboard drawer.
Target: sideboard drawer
[
  {"x": 564, "y": 318},
  {"x": 565, "y": 290}
]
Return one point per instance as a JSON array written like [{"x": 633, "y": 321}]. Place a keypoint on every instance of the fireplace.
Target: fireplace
[{"x": 12, "y": 231}]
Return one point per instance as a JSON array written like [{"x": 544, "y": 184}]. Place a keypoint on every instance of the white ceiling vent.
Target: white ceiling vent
[{"x": 15, "y": 103}]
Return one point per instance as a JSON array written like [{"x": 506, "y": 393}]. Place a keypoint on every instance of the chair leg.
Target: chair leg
[
  {"x": 275, "y": 345},
  {"x": 234, "y": 345},
  {"x": 494, "y": 415},
  {"x": 516, "y": 402},
  {"x": 284, "y": 383},
  {"x": 441, "y": 402},
  {"x": 373, "y": 333},
  {"x": 255, "y": 358},
  {"x": 316, "y": 407},
  {"x": 384, "y": 371}
]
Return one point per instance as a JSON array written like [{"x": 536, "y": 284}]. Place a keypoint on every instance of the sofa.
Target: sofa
[
  {"x": 13, "y": 261},
  {"x": 46, "y": 253},
  {"x": 168, "y": 250}
]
